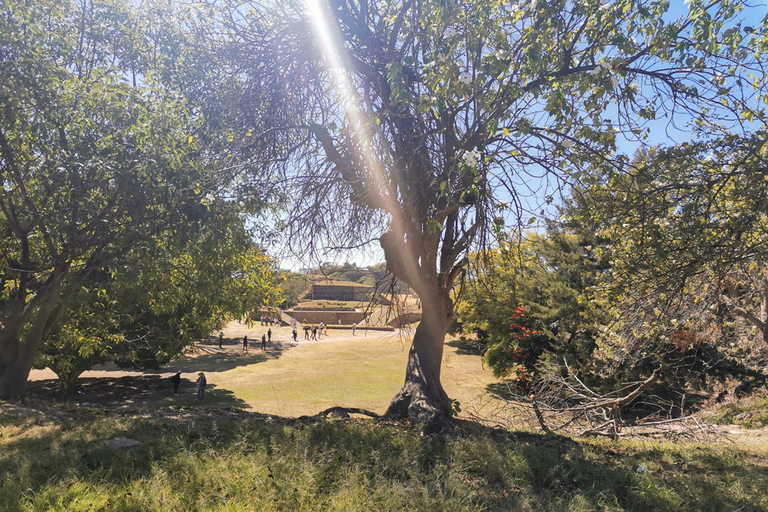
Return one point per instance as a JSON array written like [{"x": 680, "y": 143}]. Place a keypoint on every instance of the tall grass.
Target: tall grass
[{"x": 194, "y": 460}]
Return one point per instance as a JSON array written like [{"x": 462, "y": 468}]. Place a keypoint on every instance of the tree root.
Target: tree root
[
  {"x": 412, "y": 405},
  {"x": 344, "y": 412}
]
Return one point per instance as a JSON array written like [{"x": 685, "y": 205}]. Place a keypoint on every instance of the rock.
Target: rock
[{"x": 120, "y": 443}]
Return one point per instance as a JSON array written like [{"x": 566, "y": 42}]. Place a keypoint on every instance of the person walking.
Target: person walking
[
  {"x": 201, "y": 383},
  {"x": 295, "y": 334},
  {"x": 263, "y": 342},
  {"x": 221, "y": 339},
  {"x": 245, "y": 343},
  {"x": 269, "y": 336}
]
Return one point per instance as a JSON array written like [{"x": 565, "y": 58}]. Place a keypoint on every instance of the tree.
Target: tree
[
  {"x": 547, "y": 277},
  {"x": 413, "y": 123},
  {"x": 153, "y": 304},
  {"x": 98, "y": 159},
  {"x": 689, "y": 256}
]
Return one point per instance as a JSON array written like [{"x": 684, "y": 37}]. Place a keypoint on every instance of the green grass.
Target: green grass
[
  {"x": 749, "y": 413},
  {"x": 213, "y": 456},
  {"x": 190, "y": 460},
  {"x": 362, "y": 371}
]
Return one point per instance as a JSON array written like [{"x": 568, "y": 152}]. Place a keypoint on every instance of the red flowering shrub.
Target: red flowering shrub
[{"x": 516, "y": 355}]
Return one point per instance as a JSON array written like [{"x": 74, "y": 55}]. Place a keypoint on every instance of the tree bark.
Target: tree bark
[
  {"x": 422, "y": 398},
  {"x": 17, "y": 356}
]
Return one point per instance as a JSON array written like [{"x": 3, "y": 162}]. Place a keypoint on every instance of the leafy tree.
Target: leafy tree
[
  {"x": 549, "y": 275},
  {"x": 99, "y": 161},
  {"x": 688, "y": 280},
  {"x": 519, "y": 350},
  {"x": 149, "y": 308},
  {"x": 413, "y": 122}
]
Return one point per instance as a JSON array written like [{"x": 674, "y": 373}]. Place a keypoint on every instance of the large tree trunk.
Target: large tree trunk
[
  {"x": 17, "y": 356},
  {"x": 422, "y": 398}
]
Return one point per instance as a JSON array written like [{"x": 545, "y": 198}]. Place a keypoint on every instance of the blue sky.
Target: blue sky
[{"x": 664, "y": 131}]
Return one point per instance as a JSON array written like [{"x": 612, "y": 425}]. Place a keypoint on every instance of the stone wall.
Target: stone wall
[
  {"x": 340, "y": 292},
  {"x": 327, "y": 317},
  {"x": 405, "y": 318}
]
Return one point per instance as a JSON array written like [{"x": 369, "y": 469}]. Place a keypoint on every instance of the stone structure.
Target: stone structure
[
  {"x": 328, "y": 317},
  {"x": 344, "y": 292}
]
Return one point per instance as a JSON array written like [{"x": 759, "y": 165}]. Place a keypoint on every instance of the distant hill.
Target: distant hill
[{"x": 362, "y": 275}]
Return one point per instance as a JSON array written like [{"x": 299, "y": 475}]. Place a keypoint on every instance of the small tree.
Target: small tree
[{"x": 551, "y": 274}]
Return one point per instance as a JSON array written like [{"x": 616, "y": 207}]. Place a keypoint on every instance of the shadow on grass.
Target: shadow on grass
[
  {"x": 133, "y": 392},
  {"x": 380, "y": 466},
  {"x": 208, "y": 357},
  {"x": 505, "y": 390},
  {"x": 466, "y": 347}
]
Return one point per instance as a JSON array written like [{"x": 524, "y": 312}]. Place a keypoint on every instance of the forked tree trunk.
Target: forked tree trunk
[{"x": 422, "y": 398}]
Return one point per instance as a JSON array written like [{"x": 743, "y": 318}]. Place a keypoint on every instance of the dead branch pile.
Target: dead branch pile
[{"x": 566, "y": 405}]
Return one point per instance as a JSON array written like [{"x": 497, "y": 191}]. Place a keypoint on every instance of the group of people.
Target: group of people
[
  {"x": 265, "y": 338},
  {"x": 265, "y": 320},
  {"x": 313, "y": 332},
  {"x": 201, "y": 383}
]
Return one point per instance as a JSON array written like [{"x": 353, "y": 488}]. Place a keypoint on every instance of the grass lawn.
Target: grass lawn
[
  {"x": 363, "y": 371},
  {"x": 199, "y": 456},
  {"x": 53, "y": 458}
]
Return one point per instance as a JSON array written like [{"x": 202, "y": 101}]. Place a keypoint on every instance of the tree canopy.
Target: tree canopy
[
  {"x": 688, "y": 253},
  {"x": 103, "y": 166}
]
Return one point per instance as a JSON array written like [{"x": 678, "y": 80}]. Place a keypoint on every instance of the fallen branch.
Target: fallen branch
[{"x": 565, "y": 404}]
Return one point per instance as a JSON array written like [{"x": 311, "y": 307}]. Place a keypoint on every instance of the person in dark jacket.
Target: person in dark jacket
[{"x": 176, "y": 380}]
